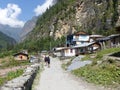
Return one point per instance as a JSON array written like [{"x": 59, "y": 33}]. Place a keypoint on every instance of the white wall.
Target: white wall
[{"x": 68, "y": 52}]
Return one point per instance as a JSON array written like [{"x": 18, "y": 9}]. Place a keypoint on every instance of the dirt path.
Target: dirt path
[{"x": 54, "y": 78}]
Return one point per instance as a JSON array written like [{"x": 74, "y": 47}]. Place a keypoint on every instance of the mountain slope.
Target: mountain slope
[
  {"x": 10, "y": 31},
  {"x": 69, "y": 16},
  {"x": 28, "y": 27},
  {"x": 6, "y": 41},
  {"x": 19, "y": 34}
]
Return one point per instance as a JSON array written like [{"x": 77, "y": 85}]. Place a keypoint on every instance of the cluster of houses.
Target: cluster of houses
[{"x": 83, "y": 43}]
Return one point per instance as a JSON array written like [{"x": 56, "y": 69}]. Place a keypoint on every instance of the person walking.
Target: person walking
[{"x": 47, "y": 60}]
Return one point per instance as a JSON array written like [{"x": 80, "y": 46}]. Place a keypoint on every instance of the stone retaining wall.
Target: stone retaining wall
[
  {"x": 24, "y": 82},
  {"x": 108, "y": 56}
]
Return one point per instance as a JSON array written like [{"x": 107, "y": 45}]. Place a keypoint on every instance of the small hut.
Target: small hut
[{"x": 21, "y": 56}]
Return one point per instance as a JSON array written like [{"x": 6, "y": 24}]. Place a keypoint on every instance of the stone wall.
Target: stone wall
[
  {"x": 24, "y": 82},
  {"x": 109, "y": 56}
]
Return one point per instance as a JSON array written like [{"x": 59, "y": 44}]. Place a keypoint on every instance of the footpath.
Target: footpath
[{"x": 55, "y": 78}]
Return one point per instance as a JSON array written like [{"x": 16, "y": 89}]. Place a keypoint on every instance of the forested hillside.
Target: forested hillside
[
  {"x": 69, "y": 16},
  {"x": 6, "y": 42}
]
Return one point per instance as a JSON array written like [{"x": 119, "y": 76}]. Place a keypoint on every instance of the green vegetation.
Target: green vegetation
[
  {"x": 106, "y": 51},
  {"x": 6, "y": 53},
  {"x": 11, "y": 75},
  {"x": 39, "y": 38},
  {"x": 100, "y": 54},
  {"x": 105, "y": 73},
  {"x": 103, "y": 23},
  {"x": 42, "y": 44},
  {"x": 6, "y": 42},
  {"x": 10, "y": 62}
]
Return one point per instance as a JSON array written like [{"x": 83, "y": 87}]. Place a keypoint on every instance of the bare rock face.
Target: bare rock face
[
  {"x": 89, "y": 15},
  {"x": 28, "y": 27},
  {"x": 93, "y": 16},
  {"x": 80, "y": 14},
  {"x": 64, "y": 29}
]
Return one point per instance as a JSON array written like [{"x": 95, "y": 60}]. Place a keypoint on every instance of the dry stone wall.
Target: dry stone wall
[{"x": 24, "y": 82}]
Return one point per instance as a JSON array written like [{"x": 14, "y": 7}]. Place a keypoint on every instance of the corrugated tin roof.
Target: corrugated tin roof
[
  {"x": 96, "y": 36},
  {"x": 83, "y": 45}
]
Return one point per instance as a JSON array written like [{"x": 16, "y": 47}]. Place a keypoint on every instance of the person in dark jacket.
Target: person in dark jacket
[{"x": 47, "y": 60}]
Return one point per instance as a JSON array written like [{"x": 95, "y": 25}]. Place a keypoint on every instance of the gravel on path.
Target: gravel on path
[{"x": 55, "y": 78}]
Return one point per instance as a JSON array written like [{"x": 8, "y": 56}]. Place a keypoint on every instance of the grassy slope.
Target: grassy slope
[{"x": 105, "y": 73}]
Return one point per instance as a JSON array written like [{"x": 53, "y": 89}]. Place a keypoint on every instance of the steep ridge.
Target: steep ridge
[
  {"x": 95, "y": 16},
  {"x": 69, "y": 16},
  {"x": 28, "y": 27},
  {"x": 19, "y": 33}
]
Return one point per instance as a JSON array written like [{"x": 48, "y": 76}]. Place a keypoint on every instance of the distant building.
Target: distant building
[
  {"x": 76, "y": 50},
  {"x": 21, "y": 56},
  {"x": 83, "y": 43},
  {"x": 78, "y": 38}
]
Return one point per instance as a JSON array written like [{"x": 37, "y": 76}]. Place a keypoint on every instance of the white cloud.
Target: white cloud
[
  {"x": 40, "y": 9},
  {"x": 9, "y": 15}
]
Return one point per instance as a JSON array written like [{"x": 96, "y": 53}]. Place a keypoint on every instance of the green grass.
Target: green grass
[
  {"x": 87, "y": 57},
  {"x": 106, "y": 73},
  {"x": 5, "y": 53},
  {"x": 13, "y": 63},
  {"x": 11, "y": 75},
  {"x": 100, "y": 54}
]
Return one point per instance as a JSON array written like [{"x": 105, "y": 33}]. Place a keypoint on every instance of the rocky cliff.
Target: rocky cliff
[
  {"x": 28, "y": 27},
  {"x": 70, "y": 16},
  {"x": 67, "y": 17}
]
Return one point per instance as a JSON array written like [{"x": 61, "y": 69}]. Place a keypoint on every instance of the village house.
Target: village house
[
  {"x": 21, "y": 56},
  {"x": 64, "y": 51},
  {"x": 77, "y": 38},
  {"x": 82, "y": 43},
  {"x": 81, "y": 38},
  {"x": 75, "y": 50}
]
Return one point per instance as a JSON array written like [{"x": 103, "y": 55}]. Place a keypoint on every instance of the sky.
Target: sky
[{"x": 16, "y": 12}]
